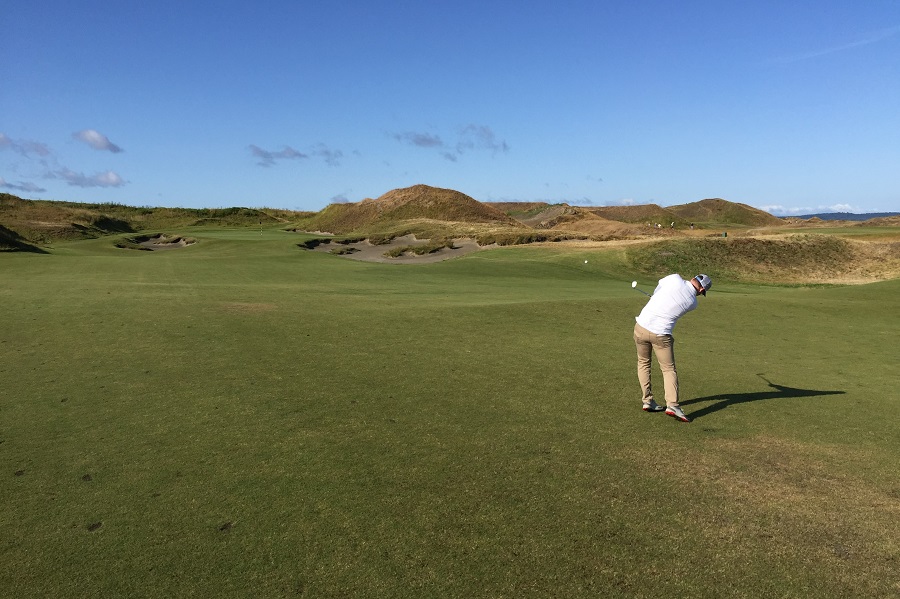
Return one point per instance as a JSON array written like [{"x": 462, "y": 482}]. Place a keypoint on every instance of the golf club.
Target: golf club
[{"x": 634, "y": 286}]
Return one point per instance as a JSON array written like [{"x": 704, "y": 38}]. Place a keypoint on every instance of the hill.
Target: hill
[
  {"x": 397, "y": 208},
  {"x": 572, "y": 219},
  {"x": 425, "y": 211},
  {"x": 28, "y": 223},
  {"x": 641, "y": 214},
  {"x": 518, "y": 210},
  {"x": 719, "y": 211}
]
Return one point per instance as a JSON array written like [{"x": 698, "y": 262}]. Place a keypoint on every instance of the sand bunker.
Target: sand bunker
[
  {"x": 368, "y": 252},
  {"x": 164, "y": 242},
  {"x": 155, "y": 243}
]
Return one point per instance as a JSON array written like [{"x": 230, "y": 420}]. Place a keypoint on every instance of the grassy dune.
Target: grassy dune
[
  {"x": 798, "y": 259},
  {"x": 242, "y": 418}
]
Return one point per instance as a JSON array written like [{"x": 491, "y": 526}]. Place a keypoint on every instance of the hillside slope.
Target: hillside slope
[
  {"x": 562, "y": 217},
  {"x": 721, "y": 211},
  {"x": 806, "y": 258},
  {"x": 43, "y": 221},
  {"x": 641, "y": 214},
  {"x": 416, "y": 203}
]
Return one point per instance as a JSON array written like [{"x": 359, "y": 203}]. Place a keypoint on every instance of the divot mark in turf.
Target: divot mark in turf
[
  {"x": 226, "y": 527},
  {"x": 20, "y": 473},
  {"x": 94, "y": 526},
  {"x": 87, "y": 478}
]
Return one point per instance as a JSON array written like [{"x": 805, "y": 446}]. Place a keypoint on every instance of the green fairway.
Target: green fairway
[{"x": 242, "y": 418}]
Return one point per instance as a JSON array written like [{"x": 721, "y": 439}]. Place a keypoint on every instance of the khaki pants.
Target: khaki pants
[{"x": 664, "y": 348}]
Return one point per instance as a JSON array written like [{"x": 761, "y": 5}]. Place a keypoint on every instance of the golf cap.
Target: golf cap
[{"x": 705, "y": 282}]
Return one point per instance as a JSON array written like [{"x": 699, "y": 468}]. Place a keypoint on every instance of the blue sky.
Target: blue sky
[{"x": 793, "y": 107}]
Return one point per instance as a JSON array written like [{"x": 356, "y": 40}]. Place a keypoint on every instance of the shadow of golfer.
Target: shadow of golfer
[{"x": 730, "y": 399}]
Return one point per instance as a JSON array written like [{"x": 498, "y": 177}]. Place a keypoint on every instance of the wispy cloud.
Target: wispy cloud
[
  {"x": 480, "y": 137},
  {"x": 51, "y": 169},
  {"x": 868, "y": 39},
  {"x": 469, "y": 138},
  {"x": 421, "y": 140},
  {"x": 26, "y": 186},
  {"x": 96, "y": 140},
  {"x": 268, "y": 157},
  {"x": 24, "y": 147},
  {"x": 331, "y": 157},
  {"x": 107, "y": 179}
]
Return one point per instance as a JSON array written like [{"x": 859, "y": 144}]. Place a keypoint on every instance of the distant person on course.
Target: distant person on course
[{"x": 672, "y": 299}]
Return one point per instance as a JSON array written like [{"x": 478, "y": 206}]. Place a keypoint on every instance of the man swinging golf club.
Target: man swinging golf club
[{"x": 672, "y": 299}]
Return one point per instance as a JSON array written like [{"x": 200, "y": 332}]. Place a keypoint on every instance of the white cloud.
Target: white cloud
[
  {"x": 107, "y": 179},
  {"x": 779, "y": 210},
  {"x": 52, "y": 169},
  {"x": 96, "y": 140}
]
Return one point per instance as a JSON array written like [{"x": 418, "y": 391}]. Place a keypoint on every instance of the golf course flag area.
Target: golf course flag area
[{"x": 241, "y": 416}]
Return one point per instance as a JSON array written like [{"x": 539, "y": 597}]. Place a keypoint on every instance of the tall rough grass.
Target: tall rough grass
[{"x": 746, "y": 259}]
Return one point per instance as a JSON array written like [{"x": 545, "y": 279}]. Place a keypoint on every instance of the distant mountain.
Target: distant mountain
[{"x": 849, "y": 215}]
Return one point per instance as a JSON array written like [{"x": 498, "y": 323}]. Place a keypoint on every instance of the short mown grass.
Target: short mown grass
[{"x": 243, "y": 418}]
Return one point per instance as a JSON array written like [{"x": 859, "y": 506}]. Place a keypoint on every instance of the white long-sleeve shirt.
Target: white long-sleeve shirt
[{"x": 671, "y": 300}]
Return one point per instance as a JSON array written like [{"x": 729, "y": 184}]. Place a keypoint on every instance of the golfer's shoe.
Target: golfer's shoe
[
  {"x": 677, "y": 413},
  {"x": 652, "y": 406}
]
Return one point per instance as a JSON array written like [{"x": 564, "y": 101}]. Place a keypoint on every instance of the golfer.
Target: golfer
[{"x": 672, "y": 299}]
